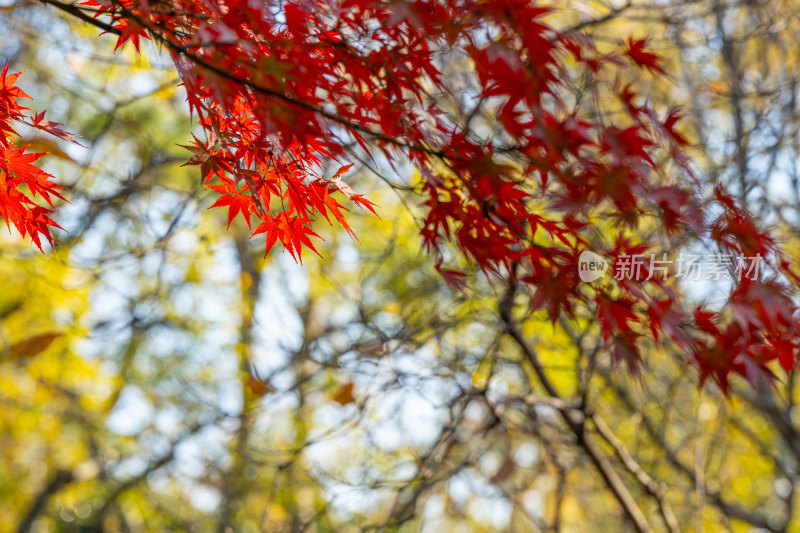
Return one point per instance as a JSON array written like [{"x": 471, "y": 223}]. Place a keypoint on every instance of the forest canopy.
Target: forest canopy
[{"x": 353, "y": 265}]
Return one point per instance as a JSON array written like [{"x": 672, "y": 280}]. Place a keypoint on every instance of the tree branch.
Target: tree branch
[
  {"x": 573, "y": 421},
  {"x": 60, "y": 480},
  {"x": 73, "y": 10},
  {"x": 644, "y": 479}
]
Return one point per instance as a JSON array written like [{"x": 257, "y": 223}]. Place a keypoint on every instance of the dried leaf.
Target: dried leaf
[{"x": 33, "y": 346}]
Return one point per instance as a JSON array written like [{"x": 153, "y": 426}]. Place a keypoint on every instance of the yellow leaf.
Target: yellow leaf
[
  {"x": 48, "y": 146},
  {"x": 482, "y": 375},
  {"x": 716, "y": 87}
]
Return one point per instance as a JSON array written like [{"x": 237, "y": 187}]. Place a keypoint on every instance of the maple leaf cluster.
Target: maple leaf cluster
[
  {"x": 281, "y": 89},
  {"x": 21, "y": 181}
]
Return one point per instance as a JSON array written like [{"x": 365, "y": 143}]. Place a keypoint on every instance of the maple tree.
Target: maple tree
[
  {"x": 282, "y": 89},
  {"x": 159, "y": 373}
]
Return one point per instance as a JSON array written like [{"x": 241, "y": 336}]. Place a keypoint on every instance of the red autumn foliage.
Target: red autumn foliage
[
  {"x": 21, "y": 181},
  {"x": 282, "y": 88}
]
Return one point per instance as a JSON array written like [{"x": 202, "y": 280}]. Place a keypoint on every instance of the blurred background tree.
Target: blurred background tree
[{"x": 158, "y": 374}]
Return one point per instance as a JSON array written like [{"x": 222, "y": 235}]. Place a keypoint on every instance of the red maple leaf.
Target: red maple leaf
[{"x": 636, "y": 50}]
